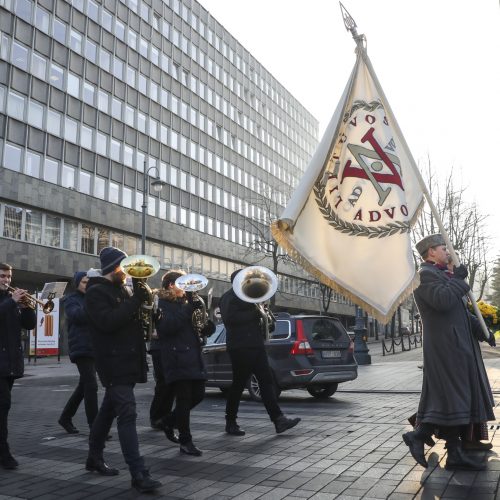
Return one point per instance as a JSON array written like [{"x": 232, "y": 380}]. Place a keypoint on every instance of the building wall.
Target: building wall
[{"x": 98, "y": 98}]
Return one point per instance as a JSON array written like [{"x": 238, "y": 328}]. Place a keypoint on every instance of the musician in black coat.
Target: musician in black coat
[
  {"x": 245, "y": 346},
  {"x": 81, "y": 353},
  {"x": 14, "y": 316},
  {"x": 181, "y": 358},
  {"x": 120, "y": 356}
]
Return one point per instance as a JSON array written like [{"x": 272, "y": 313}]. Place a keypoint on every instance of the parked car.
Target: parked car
[{"x": 305, "y": 352}]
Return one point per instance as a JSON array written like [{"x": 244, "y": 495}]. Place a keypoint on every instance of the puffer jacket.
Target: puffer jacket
[
  {"x": 179, "y": 343},
  {"x": 12, "y": 320},
  {"x": 79, "y": 341},
  {"x": 116, "y": 333}
]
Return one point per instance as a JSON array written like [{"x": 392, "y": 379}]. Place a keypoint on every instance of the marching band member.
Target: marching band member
[
  {"x": 120, "y": 356},
  {"x": 81, "y": 353},
  {"x": 245, "y": 346},
  {"x": 182, "y": 362},
  {"x": 14, "y": 315}
]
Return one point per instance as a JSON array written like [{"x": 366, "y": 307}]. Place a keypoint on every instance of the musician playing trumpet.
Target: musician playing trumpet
[{"x": 15, "y": 314}]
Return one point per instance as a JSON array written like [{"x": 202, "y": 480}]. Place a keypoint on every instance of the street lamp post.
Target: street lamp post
[
  {"x": 360, "y": 347},
  {"x": 157, "y": 184}
]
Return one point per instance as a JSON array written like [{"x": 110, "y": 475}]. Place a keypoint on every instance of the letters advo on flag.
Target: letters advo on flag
[{"x": 348, "y": 222}]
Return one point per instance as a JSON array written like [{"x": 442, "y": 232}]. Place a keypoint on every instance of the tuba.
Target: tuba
[
  {"x": 140, "y": 268},
  {"x": 192, "y": 284},
  {"x": 257, "y": 284}
]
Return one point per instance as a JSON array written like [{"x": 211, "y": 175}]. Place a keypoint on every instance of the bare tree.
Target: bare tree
[
  {"x": 494, "y": 296},
  {"x": 262, "y": 245},
  {"x": 465, "y": 225}
]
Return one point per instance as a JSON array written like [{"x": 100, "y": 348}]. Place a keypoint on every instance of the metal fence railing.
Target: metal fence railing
[{"x": 405, "y": 342}]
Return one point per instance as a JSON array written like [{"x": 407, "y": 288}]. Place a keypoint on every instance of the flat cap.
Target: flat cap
[{"x": 433, "y": 240}]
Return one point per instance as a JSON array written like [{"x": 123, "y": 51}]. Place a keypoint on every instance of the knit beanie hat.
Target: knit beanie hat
[
  {"x": 78, "y": 276},
  {"x": 110, "y": 259}
]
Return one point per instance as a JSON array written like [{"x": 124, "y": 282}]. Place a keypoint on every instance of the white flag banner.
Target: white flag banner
[{"x": 348, "y": 222}]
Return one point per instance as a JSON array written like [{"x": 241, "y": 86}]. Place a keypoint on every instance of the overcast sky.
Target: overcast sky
[{"x": 437, "y": 60}]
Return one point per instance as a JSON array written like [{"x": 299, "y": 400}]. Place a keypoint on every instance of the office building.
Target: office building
[{"x": 98, "y": 98}]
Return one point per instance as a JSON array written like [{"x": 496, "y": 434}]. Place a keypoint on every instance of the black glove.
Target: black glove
[
  {"x": 140, "y": 291},
  {"x": 460, "y": 272},
  {"x": 492, "y": 341}
]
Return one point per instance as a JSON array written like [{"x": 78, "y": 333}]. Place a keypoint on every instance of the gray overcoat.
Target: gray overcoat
[{"x": 455, "y": 387}]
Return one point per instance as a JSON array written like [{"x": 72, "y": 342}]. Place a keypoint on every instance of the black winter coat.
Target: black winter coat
[
  {"x": 79, "y": 341},
  {"x": 243, "y": 322},
  {"x": 116, "y": 333},
  {"x": 180, "y": 345},
  {"x": 12, "y": 320},
  {"x": 455, "y": 387}
]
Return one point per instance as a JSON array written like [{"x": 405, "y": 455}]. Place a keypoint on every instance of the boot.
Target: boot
[
  {"x": 457, "y": 460},
  {"x": 428, "y": 438},
  {"x": 99, "y": 466},
  {"x": 67, "y": 425},
  {"x": 8, "y": 462},
  {"x": 170, "y": 434},
  {"x": 415, "y": 442},
  {"x": 143, "y": 482},
  {"x": 233, "y": 429},
  {"x": 283, "y": 423},
  {"x": 476, "y": 446},
  {"x": 190, "y": 449}
]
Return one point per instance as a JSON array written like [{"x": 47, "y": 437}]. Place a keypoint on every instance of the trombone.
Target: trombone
[
  {"x": 31, "y": 302},
  {"x": 257, "y": 284}
]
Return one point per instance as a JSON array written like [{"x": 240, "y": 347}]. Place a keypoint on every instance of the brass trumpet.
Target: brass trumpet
[{"x": 31, "y": 302}]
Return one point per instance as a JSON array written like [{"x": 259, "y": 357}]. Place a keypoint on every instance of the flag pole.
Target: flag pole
[{"x": 350, "y": 25}]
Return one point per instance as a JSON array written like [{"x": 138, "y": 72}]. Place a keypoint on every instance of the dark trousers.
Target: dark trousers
[
  {"x": 86, "y": 390},
  {"x": 118, "y": 401},
  {"x": 188, "y": 394},
  {"x": 244, "y": 363},
  {"x": 6, "y": 384},
  {"x": 164, "y": 394}
]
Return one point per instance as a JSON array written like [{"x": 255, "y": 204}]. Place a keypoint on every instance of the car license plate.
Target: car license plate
[{"x": 330, "y": 354}]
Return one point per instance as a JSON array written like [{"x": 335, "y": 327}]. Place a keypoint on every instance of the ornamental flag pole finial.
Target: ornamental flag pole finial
[{"x": 350, "y": 25}]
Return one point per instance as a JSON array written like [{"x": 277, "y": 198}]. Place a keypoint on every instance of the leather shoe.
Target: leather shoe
[
  {"x": 283, "y": 423},
  {"x": 143, "y": 482},
  {"x": 190, "y": 449},
  {"x": 9, "y": 462},
  {"x": 233, "y": 429},
  {"x": 416, "y": 446},
  {"x": 68, "y": 426},
  {"x": 476, "y": 446},
  {"x": 157, "y": 425},
  {"x": 100, "y": 467},
  {"x": 170, "y": 434},
  {"x": 457, "y": 460}
]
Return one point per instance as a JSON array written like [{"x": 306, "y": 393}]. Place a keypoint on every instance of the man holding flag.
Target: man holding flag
[{"x": 455, "y": 387}]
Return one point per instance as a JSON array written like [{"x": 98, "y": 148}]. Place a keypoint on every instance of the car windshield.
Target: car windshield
[{"x": 323, "y": 329}]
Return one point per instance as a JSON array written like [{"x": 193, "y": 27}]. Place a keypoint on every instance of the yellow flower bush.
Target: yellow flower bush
[{"x": 490, "y": 313}]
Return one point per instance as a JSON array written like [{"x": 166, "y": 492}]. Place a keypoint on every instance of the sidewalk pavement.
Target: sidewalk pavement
[{"x": 347, "y": 447}]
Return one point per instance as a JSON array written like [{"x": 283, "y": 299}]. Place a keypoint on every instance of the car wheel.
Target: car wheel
[
  {"x": 322, "y": 391},
  {"x": 254, "y": 389}
]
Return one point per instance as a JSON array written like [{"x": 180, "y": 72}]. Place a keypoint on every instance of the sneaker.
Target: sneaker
[
  {"x": 68, "y": 426},
  {"x": 143, "y": 482},
  {"x": 190, "y": 449},
  {"x": 9, "y": 462},
  {"x": 283, "y": 423},
  {"x": 233, "y": 429}
]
